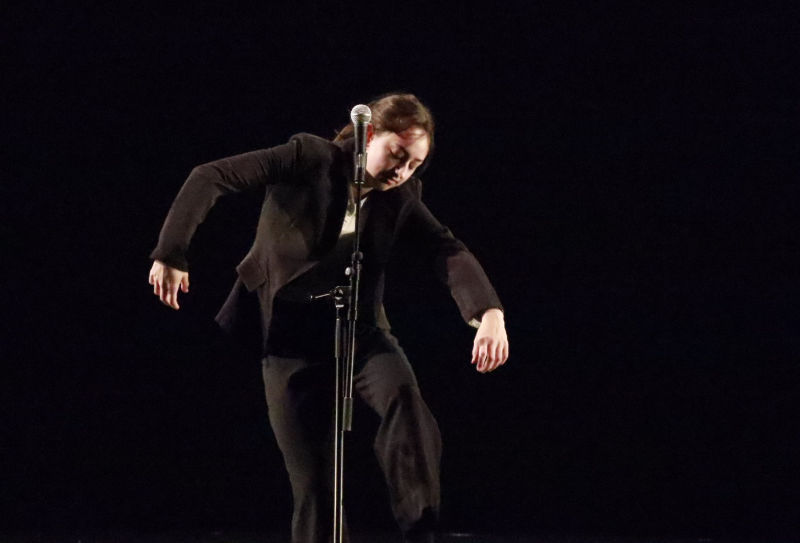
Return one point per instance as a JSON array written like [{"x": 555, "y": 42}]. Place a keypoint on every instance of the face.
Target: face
[{"x": 393, "y": 157}]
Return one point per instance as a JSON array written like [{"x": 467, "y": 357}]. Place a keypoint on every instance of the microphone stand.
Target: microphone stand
[
  {"x": 345, "y": 366},
  {"x": 344, "y": 355},
  {"x": 345, "y": 337}
]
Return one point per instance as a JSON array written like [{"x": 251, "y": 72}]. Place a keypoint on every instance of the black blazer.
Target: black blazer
[{"x": 300, "y": 221}]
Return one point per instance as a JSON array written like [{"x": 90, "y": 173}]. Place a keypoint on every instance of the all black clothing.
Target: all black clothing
[
  {"x": 292, "y": 306},
  {"x": 299, "y": 376},
  {"x": 300, "y": 223},
  {"x": 408, "y": 444}
]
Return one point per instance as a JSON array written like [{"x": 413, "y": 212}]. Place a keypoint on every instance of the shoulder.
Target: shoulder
[
  {"x": 414, "y": 188},
  {"x": 409, "y": 192},
  {"x": 314, "y": 154},
  {"x": 311, "y": 146},
  {"x": 400, "y": 202}
]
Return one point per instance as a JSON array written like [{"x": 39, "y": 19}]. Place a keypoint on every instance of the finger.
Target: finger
[
  {"x": 494, "y": 358},
  {"x": 166, "y": 295},
  {"x": 475, "y": 348},
  {"x": 482, "y": 356},
  {"x": 185, "y": 283},
  {"x": 498, "y": 357},
  {"x": 174, "y": 293},
  {"x": 487, "y": 356},
  {"x": 172, "y": 301},
  {"x": 495, "y": 355},
  {"x": 502, "y": 349},
  {"x": 487, "y": 361}
]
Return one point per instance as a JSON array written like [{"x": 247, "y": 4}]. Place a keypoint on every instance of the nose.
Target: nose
[{"x": 401, "y": 171}]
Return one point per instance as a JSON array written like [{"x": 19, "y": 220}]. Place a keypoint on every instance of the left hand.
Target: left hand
[{"x": 490, "y": 348}]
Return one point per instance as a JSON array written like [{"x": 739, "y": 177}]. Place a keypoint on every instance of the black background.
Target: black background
[{"x": 627, "y": 176}]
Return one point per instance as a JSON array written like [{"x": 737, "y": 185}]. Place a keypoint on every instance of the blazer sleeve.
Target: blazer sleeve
[
  {"x": 208, "y": 182},
  {"x": 453, "y": 263}
]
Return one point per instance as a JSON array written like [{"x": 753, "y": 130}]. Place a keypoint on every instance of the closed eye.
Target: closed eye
[{"x": 398, "y": 154}]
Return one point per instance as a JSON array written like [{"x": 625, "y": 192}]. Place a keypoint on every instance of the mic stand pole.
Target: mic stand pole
[
  {"x": 343, "y": 410},
  {"x": 345, "y": 339},
  {"x": 340, "y": 295},
  {"x": 338, "y": 414}
]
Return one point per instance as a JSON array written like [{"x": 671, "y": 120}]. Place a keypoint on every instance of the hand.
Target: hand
[
  {"x": 166, "y": 281},
  {"x": 490, "y": 349}
]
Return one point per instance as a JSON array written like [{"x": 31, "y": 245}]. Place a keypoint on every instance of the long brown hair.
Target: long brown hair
[{"x": 396, "y": 112}]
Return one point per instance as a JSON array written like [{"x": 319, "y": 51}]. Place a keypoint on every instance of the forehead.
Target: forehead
[{"x": 414, "y": 140}]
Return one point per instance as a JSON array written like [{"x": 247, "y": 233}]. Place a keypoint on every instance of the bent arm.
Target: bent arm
[
  {"x": 454, "y": 264},
  {"x": 469, "y": 286},
  {"x": 205, "y": 184}
]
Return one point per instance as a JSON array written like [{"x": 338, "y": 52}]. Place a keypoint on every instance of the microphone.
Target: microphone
[{"x": 361, "y": 116}]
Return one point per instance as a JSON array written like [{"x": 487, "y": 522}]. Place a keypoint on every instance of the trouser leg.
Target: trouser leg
[
  {"x": 299, "y": 398},
  {"x": 408, "y": 443}
]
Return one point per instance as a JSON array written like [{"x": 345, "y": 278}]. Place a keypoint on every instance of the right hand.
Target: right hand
[{"x": 166, "y": 281}]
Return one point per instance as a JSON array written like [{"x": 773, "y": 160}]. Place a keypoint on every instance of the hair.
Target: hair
[{"x": 396, "y": 112}]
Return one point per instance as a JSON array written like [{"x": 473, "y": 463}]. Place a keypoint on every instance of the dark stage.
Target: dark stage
[
  {"x": 628, "y": 176},
  {"x": 454, "y": 537}
]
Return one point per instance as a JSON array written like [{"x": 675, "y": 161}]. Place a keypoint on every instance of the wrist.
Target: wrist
[{"x": 494, "y": 312}]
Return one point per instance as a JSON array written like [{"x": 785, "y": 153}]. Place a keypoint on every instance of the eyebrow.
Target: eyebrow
[{"x": 408, "y": 155}]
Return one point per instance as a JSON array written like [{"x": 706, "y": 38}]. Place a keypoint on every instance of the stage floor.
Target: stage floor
[{"x": 234, "y": 537}]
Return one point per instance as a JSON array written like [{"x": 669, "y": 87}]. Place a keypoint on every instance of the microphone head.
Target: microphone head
[{"x": 360, "y": 114}]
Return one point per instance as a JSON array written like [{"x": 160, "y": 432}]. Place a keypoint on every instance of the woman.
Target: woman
[{"x": 302, "y": 246}]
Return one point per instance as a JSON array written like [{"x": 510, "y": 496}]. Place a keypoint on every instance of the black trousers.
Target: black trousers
[{"x": 299, "y": 394}]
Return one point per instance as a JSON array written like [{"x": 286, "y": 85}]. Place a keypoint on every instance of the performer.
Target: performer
[{"x": 302, "y": 246}]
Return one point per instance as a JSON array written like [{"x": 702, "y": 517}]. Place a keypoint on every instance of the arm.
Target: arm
[
  {"x": 469, "y": 286},
  {"x": 205, "y": 184}
]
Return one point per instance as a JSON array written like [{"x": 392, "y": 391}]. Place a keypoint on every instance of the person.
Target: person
[{"x": 302, "y": 245}]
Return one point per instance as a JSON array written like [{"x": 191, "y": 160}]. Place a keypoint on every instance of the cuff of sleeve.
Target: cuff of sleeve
[
  {"x": 475, "y": 322},
  {"x": 172, "y": 261}
]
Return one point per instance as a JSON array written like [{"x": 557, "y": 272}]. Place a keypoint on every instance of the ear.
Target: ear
[{"x": 370, "y": 133}]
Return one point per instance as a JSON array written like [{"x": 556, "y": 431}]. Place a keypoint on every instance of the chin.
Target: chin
[{"x": 388, "y": 186}]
